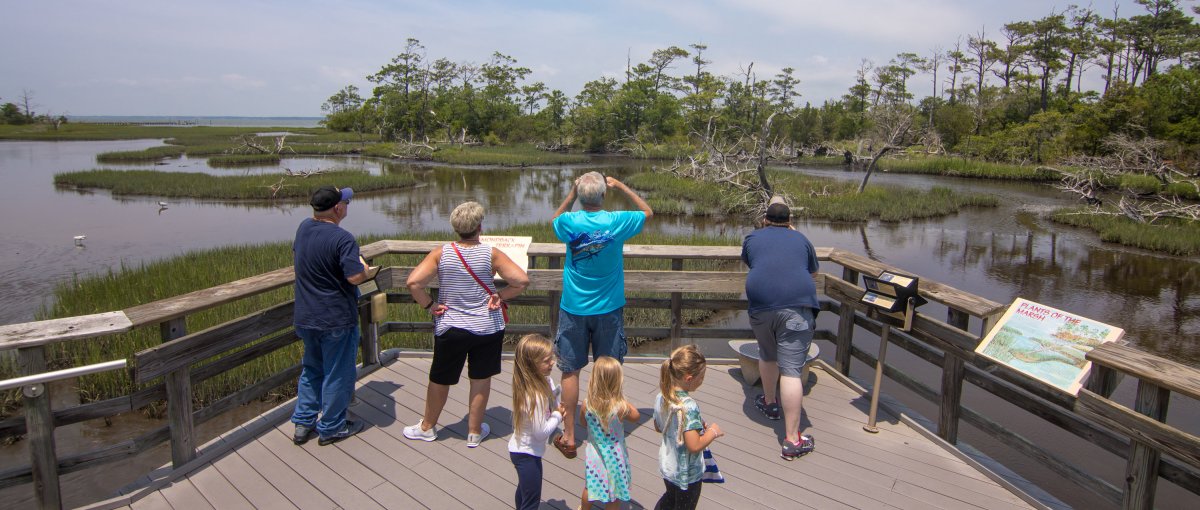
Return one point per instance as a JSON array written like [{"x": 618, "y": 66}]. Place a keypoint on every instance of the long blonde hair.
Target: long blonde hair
[
  {"x": 531, "y": 390},
  {"x": 606, "y": 396},
  {"x": 684, "y": 361}
]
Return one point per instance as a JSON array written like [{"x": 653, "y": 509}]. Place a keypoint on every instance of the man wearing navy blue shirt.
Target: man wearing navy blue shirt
[
  {"x": 328, "y": 269},
  {"x": 782, "y": 293}
]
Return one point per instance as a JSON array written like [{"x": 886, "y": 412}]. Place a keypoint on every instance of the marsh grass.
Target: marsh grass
[
  {"x": 514, "y": 155},
  {"x": 817, "y": 196},
  {"x": 226, "y": 187},
  {"x": 149, "y": 155},
  {"x": 133, "y": 285},
  {"x": 1174, "y": 237},
  {"x": 240, "y": 160},
  {"x": 1187, "y": 189},
  {"x": 960, "y": 167}
]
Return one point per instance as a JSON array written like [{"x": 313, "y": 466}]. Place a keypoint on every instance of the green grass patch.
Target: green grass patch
[
  {"x": 819, "y": 197},
  {"x": 1188, "y": 189},
  {"x": 379, "y": 150},
  {"x": 510, "y": 155},
  {"x": 960, "y": 167},
  {"x": 705, "y": 198},
  {"x": 1174, "y": 237},
  {"x": 239, "y": 160},
  {"x": 149, "y": 155},
  {"x": 227, "y": 187},
  {"x": 1139, "y": 183}
]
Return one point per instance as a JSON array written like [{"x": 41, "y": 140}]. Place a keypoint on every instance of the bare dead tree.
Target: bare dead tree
[
  {"x": 892, "y": 126},
  {"x": 1086, "y": 176},
  {"x": 249, "y": 144}
]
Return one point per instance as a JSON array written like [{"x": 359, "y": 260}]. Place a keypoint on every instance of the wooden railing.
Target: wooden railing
[{"x": 185, "y": 359}]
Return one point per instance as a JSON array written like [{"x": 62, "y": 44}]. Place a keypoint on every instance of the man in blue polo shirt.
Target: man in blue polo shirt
[
  {"x": 328, "y": 269},
  {"x": 592, "y": 310},
  {"x": 782, "y": 294}
]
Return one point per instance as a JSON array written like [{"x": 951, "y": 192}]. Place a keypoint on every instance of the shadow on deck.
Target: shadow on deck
[{"x": 257, "y": 466}]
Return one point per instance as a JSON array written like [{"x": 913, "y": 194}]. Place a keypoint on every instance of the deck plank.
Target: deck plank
[
  {"x": 185, "y": 496},
  {"x": 380, "y": 468},
  {"x": 152, "y": 501},
  {"x": 219, "y": 491},
  {"x": 331, "y": 482},
  {"x": 252, "y": 485},
  {"x": 290, "y": 483}
]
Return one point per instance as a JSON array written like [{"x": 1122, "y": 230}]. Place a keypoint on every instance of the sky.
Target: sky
[{"x": 284, "y": 58}]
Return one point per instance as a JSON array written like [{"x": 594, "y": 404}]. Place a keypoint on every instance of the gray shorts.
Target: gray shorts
[{"x": 784, "y": 335}]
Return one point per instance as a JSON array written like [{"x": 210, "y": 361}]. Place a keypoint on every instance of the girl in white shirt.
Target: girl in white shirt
[{"x": 537, "y": 412}]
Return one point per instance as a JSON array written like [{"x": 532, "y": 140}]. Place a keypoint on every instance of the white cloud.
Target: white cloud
[{"x": 285, "y": 58}]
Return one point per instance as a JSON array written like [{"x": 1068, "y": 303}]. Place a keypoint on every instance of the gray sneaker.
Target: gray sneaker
[
  {"x": 303, "y": 434},
  {"x": 351, "y": 428},
  {"x": 771, "y": 411},
  {"x": 793, "y": 450}
]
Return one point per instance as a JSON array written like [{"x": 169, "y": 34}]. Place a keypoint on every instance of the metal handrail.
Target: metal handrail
[{"x": 67, "y": 373}]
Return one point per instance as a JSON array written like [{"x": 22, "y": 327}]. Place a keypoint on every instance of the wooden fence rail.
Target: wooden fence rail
[{"x": 170, "y": 370}]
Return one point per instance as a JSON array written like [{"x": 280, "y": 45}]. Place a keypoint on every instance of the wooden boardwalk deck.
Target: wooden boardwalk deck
[{"x": 261, "y": 468}]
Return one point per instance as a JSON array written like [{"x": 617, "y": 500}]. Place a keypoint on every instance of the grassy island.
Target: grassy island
[{"x": 228, "y": 187}]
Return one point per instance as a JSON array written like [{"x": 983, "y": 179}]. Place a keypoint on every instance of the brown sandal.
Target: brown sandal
[{"x": 568, "y": 451}]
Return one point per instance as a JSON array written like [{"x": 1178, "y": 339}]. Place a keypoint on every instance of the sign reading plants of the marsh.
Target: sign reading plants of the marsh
[{"x": 1046, "y": 343}]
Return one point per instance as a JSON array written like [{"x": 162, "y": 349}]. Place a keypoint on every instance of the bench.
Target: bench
[{"x": 747, "y": 351}]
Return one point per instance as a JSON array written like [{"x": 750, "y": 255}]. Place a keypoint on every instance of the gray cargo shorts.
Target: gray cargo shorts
[{"x": 784, "y": 336}]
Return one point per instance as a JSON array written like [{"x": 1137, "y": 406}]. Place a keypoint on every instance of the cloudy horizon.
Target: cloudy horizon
[{"x": 272, "y": 59}]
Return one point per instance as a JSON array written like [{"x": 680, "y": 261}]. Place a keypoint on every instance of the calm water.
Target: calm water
[{"x": 999, "y": 253}]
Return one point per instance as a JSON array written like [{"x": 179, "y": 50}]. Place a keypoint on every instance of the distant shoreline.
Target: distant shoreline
[{"x": 201, "y": 120}]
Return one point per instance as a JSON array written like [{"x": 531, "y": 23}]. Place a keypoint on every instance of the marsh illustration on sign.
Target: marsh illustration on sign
[{"x": 1046, "y": 343}]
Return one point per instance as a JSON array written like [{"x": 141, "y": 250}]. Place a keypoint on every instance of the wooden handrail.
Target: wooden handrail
[
  {"x": 947, "y": 343},
  {"x": 1148, "y": 367}
]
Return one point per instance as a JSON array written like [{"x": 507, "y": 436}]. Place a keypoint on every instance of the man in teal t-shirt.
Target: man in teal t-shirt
[{"x": 592, "y": 312}]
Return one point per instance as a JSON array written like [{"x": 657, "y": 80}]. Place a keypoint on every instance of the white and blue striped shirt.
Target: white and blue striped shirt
[{"x": 465, "y": 299}]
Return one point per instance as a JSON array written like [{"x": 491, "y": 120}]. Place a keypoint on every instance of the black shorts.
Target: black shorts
[{"x": 458, "y": 346}]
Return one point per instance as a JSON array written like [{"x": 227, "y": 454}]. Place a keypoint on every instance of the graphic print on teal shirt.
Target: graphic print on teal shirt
[{"x": 585, "y": 246}]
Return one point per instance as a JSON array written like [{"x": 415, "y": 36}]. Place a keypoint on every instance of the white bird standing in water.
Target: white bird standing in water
[
  {"x": 162, "y": 204},
  {"x": 79, "y": 240}
]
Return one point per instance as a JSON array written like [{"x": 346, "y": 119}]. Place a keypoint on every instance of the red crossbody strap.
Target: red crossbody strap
[{"x": 503, "y": 305}]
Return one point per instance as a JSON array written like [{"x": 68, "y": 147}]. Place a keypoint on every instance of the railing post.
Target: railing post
[
  {"x": 1103, "y": 380},
  {"x": 845, "y": 335},
  {"x": 953, "y": 371},
  {"x": 1141, "y": 471},
  {"x": 179, "y": 401},
  {"x": 552, "y": 309},
  {"x": 368, "y": 342},
  {"x": 676, "y": 309},
  {"x": 39, "y": 427}
]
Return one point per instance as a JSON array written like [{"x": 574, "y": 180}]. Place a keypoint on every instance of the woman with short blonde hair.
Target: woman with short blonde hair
[{"x": 468, "y": 319}]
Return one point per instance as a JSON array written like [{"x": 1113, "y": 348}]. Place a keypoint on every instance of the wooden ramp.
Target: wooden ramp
[{"x": 257, "y": 466}]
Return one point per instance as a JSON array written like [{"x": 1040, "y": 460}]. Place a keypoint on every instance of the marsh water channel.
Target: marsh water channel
[{"x": 999, "y": 253}]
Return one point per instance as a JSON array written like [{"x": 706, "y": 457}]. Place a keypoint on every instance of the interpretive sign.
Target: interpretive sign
[
  {"x": 516, "y": 247},
  {"x": 1046, "y": 343}
]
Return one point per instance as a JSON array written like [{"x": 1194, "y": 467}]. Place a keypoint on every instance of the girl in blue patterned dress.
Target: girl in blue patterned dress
[{"x": 607, "y": 460}]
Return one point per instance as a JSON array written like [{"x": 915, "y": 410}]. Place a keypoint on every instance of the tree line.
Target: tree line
[{"x": 1016, "y": 95}]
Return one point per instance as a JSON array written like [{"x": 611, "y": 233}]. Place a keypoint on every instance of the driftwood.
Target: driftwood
[{"x": 1085, "y": 176}]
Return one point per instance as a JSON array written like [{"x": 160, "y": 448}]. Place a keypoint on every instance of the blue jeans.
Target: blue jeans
[
  {"x": 327, "y": 379},
  {"x": 604, "y": 333}
]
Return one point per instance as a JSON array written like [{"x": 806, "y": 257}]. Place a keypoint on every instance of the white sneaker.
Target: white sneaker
[
  {"x": 414, "y": 432},
  {"x": 473, "y": 440}
]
